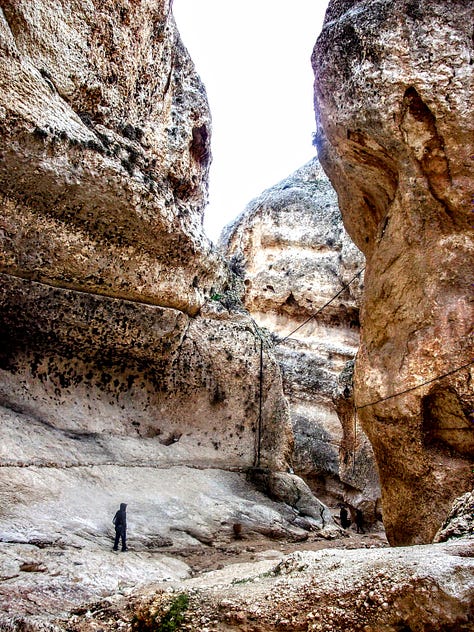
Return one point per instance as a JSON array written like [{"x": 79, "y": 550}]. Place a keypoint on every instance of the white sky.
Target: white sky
[{"x": 254, "y": 59}]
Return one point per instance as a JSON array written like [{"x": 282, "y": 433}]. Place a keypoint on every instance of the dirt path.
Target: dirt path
[{"x": 251, "y": 548}]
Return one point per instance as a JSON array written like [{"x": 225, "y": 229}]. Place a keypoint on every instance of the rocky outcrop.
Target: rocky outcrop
[
  {"x": 460, "y": 522},
  {"x": 413, "y": 588},
  {"x": 394, "y": 105},
  {"x": 117, "y": 316},
  {"x": 125, "y": 350},
  {"x": 293, "y": 254},
  {"x": 106, "y": 132}
]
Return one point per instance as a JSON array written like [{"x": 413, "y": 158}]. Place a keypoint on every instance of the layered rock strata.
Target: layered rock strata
[
  {"x": 124, "y": 348},
  {"x": 106, "y": 133},
  {"x": 394, "y": 104},
  {"x": 108, "y": 324},
  {"x": 293, "y": 255}
]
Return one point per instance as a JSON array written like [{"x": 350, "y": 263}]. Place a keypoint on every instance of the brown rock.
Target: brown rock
[
  {"x": 394, "y": 106},
  {"x": 357, "y": 469}
]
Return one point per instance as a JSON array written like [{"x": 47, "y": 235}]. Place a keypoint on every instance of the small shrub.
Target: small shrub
[
  {"x": 237, "y": 264},
  {"x": 148, "y": 621}
]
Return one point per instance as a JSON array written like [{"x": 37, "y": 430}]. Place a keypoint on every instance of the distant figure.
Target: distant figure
[
  {"x": 359, "y": 520},
  {"x": 120, "y": 522},
  {"x": 344, "y": 516}
]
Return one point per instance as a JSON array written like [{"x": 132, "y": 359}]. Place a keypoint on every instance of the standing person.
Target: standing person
[
  {"x": 344, "y": 517},
  {"x": 359, "y": 520},
  {"x": 120, "y": 522}
]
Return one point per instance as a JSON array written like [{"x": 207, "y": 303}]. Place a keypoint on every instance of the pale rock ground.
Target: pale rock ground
[
  {"x": 333, "y": 590},
  {"x": 394, "y": 100},
  {"x": 56, "y": 530},
  {"x": 60, "y": 490},
  {"x": 293, "y": 254}
]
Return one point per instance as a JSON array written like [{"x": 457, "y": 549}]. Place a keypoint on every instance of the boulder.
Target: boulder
[{"x": 460, "y": 522}]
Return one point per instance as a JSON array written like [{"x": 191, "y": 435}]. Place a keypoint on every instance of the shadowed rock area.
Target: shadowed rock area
[
  {"x": 108, "y": 311},
  {"x": 394, "y": 104}
]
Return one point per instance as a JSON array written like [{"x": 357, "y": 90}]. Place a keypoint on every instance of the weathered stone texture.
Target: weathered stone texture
[
  {"x": 125, "y": 352},
  {"x": 460, "y": 522},
  {"x": 106, "y": 130},
  {"x": 357, "y": 468},
  {"x": 293, "y": 254},
  {"x": 106, "y": 276},
  {"x": 90, "y": 365},
  {"x": 394, "y": 103}
]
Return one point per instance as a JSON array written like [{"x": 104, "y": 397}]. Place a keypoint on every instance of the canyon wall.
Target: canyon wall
[
  {"x": 293, "y": 254},
  {"x": 110, "y": 322},
  {"x": 394, "y": 103}
]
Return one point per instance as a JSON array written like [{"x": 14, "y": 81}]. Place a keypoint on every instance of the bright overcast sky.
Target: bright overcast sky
[{"x": 254, "y": 59}]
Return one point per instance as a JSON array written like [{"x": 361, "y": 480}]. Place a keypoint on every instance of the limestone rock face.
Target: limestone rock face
[
  {"x": 127, "y": 363},
  {"x": 94, "y": 366},
  {"x": 107, "y": 320},
  {"x": 292, "y": 251},
  {"x": 106, "y": 132},
  {"x": 394, "y": 104}
]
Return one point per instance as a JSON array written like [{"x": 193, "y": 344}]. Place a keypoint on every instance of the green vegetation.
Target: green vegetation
[{"x": 147, "y": 621}]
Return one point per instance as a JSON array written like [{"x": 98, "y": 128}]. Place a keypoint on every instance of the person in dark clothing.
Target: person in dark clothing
[
  {"x": 359, "y": 520},
  {"x": 344, "y": 516},
  {"x": 120, "y": 522}
]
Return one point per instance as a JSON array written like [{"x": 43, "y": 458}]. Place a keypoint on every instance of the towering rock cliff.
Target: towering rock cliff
[
  {"x": 124, "y": 350},
  {"x": 106, "y": 276},
  {"x": 394, "y": 103},
  {"x": 294, "y": 255}
]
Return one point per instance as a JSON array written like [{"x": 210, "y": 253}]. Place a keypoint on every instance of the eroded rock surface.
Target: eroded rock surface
[
  {"x": 394, "y": 104},
  {"x": 106, "y": 278},
  {"x": 415, "y": 588},
  {"x": 460, "y": 522},
  {"x": 106, "y": 133},
  {"x": 357, "y": 468},
  {"x": 57, "y": 533},
  {"x": 124, "y": 349},
  {"x": 293, "y": 254}
]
